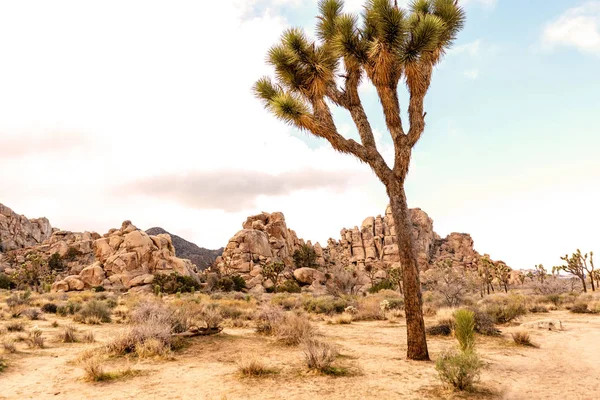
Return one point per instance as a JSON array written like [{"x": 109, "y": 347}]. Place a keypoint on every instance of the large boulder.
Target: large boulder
[
  {"x": 17, "y": 231},
  {"x": 308, "y": 276}
]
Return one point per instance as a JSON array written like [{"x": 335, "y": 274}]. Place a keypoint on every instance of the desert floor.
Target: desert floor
[{"x": 565, "y": 366}]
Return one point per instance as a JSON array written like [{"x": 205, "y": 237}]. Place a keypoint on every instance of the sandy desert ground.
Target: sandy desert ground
[{"x": 565, "y": 366}]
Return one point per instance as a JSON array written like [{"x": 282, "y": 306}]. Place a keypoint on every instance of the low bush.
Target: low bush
[
  {"x": 15, "y": 327},
  {"x": 9, "y": 346},
  {"x": 522, "y": 339},
  {"x": 134, "y": 341},
  {"x": 69, "y": 334},
  {"x": 536, "y": 309},
  {"x": 293, "y": 329},
  {"x": 70, "y": 308},
  {"x": 385, "y": 284},
  {"x": 289, "y": 286},
  {"x": 484, "y": 324},
  {"x": 5, "y": 282},
  {"x": 50, "y": 308},
  {"x": 580, "y": 308},
  {"x": 35, "y": 339},
  {"x": 318, "y": 355},
  {"x": 93, "y": 313},
  {"x": 175, "y": 283},
  {"x": 442, "y": 328},
  {"x": 88, "y": 337},
  {"x": 254, "y": 368},
  {"x": 504, "y": 309},
  {"x": 267, "y": 319},
  {"x": 3, "y": 364},
  {"x": 286, "y": 302},
  {"x": 370, "y": 309},
  {"x": 459, "y": 370},
  {"x": 325, "y": 304}
]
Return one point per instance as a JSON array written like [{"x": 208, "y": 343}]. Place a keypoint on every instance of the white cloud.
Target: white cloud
[
  {"x": 472, "y": 49},
  {"x": 485, "y": 3},
  {"x": 577, "y": 27}
]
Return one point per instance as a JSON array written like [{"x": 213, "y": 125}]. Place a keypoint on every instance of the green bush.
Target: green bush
[
  {"x": 225, "y": 284},
  {"x": 55, "y": 263},
  {"x": 325, "y": 304},
  {"x": 305, "y": 256},
  {"x": 68, "y": 309},
  {"x": 484, "y": 324},
  {"x": 383, "y": 285},
  {"x": 554, "y": 299},
  {"x": 175, "y": 283},
  {"x": 506, "y": 308},
  {"x": 464, "y": 329},
  {"x": 239, "y": 283},
  {"x": 6, "y": 282},
  {"x": 94, "y": 312},
  {"x": 50, "y": 308},
  {"x": 460, "y": 370},
  {"x": 72, "y": 254},
  {"x": 289, "y": 286}
]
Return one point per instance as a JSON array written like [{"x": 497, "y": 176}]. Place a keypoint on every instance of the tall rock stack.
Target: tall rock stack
[
  {"x": 264, "y": 238},
  {"x": 17, "y": 231},
  {"x": 375, "y": 241}
]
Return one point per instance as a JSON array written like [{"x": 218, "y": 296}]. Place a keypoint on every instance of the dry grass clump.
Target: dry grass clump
[
  {"x": 484, "y": 323},
  {"x": 344, "y": 319},
  {"x": 294, "y": 329},
  {"x": 459, "y": 370},
  {"x": 538, "y": 308},
  {"x": 94, "y": 312},
  {"x": 430, "y": 310},
  {"x": 523, "y": 339},
  {"x": 287, "y": 301},
  {"x": 369, "y": 309},
  {"x": 254, "y": 368},
  {"x": 319, "y": 356},
  {"x": 69, "y": 334},
  {"x": 34, "y": 339},
  {"x": 580, "y": 308},
  {"x": 267, "y": 318},
  {"x": 9, "y": 346},
  {"x": 94, "y": 371},
  {"x": 33, "y": 314},
  {"x": 88, "y": 337},
  {"x": 16, "y": 326},
  {"x": 143, "y": 340}
]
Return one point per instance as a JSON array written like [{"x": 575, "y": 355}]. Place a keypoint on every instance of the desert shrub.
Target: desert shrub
[
  {"x": 50, "y": 308},
  {"x": 286, "y": 302},
  {"x": 484, "y": 323},
  {"x": 175, "y": 283},
  {"x": 33, "y": 314},
  {"x": 88, "y": 337},
  {"x": 504, "y": 309},
  {"x": 267, "y": 319},
  {"x": 536, "y": 309},
  {"x": 344, "y": 319},
  {"x": 319, "y": 355},
  {"x": 522, "y": 339},
  {"x": 19, "y": 299},
  {"x": 442, "y": 328},
  {"x": 134, "y": 339},
  {"x": 9, "y": 346},
  {"x": 34, "y": 339},
  {"x": 93, "y": 313},
  {"x": 289, "y": 286},
  {"x": 325, "y": 304},
  {"x": 293, "y": 329},
  {"x": 464, "y": 329},
  {"x": 554, "y": 299},
  {"x": 580, "y": 308},
  {"x": 370, "y": 309},
  {"x": 68, "y": 334},
  {"x": 253, "y": 368},
  {"x": 225, "y": 284},
  {"x": 395, "y": 303},
  {"x": 99, "y": 289},
  {"x": 239, "y": 283},
  {"x": 385, "y": 284},
  {"x": 93, "y": 370},
  {"x": 343, "y": 281},
  {"x": 3, "y": 364},
  {"x": 70, "y": 308},
  {"x": 459, "y": 370},
  {"x": 15, "y": 327},
  {"x": 6, "y": 282},
  {"x": 55, "y": 263},
  {"x": 304, "y": 257}
]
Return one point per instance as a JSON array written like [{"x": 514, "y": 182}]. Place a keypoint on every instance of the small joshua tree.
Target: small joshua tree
[
  {"x": 578, "y": 265},
  {"x": 272, "y": 271},
  {"x": 502, "y": 273},
  {"x": 540, "y": 272}
]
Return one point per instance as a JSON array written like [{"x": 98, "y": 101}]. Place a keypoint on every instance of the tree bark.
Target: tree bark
[
  {"x": 582, "y": 277},
  {"x": 413, "y": 301}
]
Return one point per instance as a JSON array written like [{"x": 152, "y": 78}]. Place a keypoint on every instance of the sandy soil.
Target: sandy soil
[{"x": 565, "y": 366}]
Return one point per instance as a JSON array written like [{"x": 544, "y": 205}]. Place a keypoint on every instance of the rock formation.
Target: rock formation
[
  {"x": 199, "y": 256},
  {"x": 266, "y": 238},
  {"x": 126, "y": 258},
  {"x": 17, "y": 231}
]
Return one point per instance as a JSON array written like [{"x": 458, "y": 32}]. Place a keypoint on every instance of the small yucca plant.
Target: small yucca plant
[{"x": 464, "y": 329}]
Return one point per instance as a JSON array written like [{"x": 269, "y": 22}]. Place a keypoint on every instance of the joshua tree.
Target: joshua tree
[
  {"x": 486, "y": 273},
  {"x": 272, "y": 271},
  {"x": 391, "y": 45},
  {"x": 577, "y": 265},
  {"x": 540, "y": 272},
  {"x": 502, "y": 273}
]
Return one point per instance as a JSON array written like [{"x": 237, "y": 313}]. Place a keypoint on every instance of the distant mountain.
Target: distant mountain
[{"x": 202, "y": 257}]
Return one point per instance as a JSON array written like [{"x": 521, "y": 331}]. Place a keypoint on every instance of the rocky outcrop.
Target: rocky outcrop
[
  {"x": 199, "y": 256},
  {"x": 375, "y": 241},
  {"x": 126, "y": 258},
  {"x": 264, "y": 238},
  {"x": 17, "y": 231}
]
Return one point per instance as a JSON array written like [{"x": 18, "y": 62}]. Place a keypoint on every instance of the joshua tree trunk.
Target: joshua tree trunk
[
  {"x": 582, "y": 277},
  {"x": 417, "y": 344}
]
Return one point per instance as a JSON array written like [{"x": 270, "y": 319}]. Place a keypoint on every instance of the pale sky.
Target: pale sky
[{"x": 143, "y": 110}]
